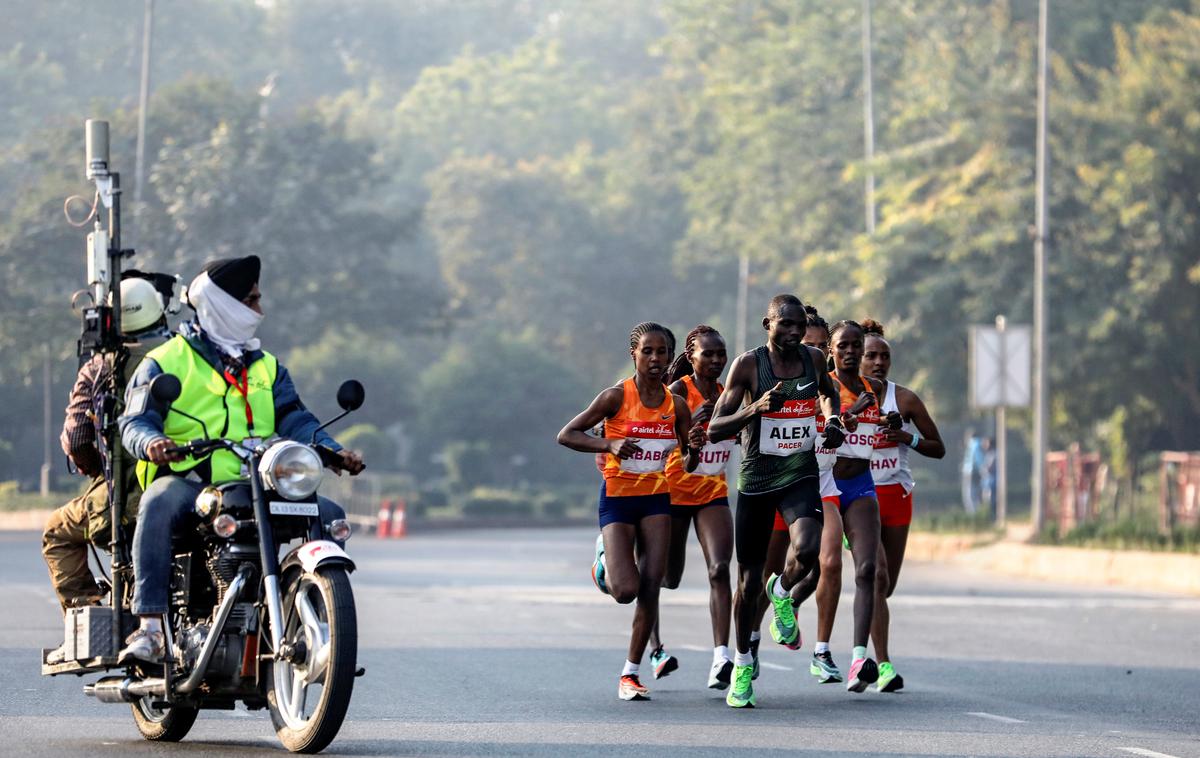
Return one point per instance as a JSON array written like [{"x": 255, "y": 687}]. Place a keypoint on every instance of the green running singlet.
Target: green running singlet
[{"x": 761, "y": 472}]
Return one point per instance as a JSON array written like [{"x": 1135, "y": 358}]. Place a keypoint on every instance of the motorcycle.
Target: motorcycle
[{"x": 243, "y": 625}]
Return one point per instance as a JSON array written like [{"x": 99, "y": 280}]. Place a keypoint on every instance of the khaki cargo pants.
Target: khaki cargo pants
[{"x": 65, "y": 542}]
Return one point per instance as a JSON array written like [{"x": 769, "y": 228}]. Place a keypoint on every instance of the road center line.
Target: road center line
[
  {"x": 774, "y": 666},
  {"x": 994, "y": 717},
  {"x": 1147, "y": 753}
]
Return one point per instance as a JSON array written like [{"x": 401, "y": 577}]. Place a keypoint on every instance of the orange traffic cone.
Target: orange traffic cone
[
  {"x": 383, "y": 524},
  {"x": 399, "y": 522}
]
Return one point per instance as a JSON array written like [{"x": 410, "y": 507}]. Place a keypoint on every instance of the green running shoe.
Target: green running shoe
[
  {"x": 824, "y": 669},
  {"x": 889, "y": 680},
  {"x": 754, "y": 652},
  {"x": 845, "y": 542},
  {"x": 741, "y": 694},
  {"x": 783, "y": 627}
]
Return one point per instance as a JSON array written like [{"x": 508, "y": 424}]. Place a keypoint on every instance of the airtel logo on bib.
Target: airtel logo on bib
[{"x": 651, "y": 430}]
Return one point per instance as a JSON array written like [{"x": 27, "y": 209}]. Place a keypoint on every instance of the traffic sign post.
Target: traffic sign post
[{"x": 1000, "y": 379}]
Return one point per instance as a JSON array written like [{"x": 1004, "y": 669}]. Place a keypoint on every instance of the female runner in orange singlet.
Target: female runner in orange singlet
[{"x": 643, "y": 422}]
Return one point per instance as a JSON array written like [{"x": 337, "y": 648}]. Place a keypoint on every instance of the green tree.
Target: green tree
[
  {"x": 1130, "y": 244},
  {"x": 500, "y": 400}
]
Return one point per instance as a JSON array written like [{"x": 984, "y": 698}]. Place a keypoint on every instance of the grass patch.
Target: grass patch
[
  {"x": 12, "y": 499},
  {"x": 956, "y": 522},
  {"x": 1124, "y": 534}
]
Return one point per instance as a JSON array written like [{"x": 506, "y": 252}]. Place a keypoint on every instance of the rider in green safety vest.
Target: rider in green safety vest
[{"x": 239, "y": 391}]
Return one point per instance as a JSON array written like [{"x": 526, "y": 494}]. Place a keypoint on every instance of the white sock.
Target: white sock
[
  {"x": 720, "y": 653},
  {"x": 859, "y": 652},
  {"x": 743, "y": 659},
  {"x": 779, "y": 590},
  {"x": 820, "y": 647},
  {"x": 631, "y": 669},
  {"x": 755, "y": 636}
]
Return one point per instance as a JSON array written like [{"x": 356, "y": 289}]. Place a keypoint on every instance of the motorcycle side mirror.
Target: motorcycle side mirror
[
  {"x": 165, "y": 388},
  {"x": 350, "y": 395}
]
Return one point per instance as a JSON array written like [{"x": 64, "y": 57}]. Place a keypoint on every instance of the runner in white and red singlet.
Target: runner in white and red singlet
[{"x": 908, "y": 427}]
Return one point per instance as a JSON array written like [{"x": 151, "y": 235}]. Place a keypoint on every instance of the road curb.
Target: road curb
[{"x": 1135, "y": 569}]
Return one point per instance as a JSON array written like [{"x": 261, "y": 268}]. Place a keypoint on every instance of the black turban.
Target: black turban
[{"x": 237, "y": 276}]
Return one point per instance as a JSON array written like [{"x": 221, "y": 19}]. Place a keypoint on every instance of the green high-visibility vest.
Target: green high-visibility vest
[{"x": 210, "y": 397}]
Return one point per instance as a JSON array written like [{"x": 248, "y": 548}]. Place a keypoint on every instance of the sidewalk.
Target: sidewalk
[{"x": 1135, "y": 569}]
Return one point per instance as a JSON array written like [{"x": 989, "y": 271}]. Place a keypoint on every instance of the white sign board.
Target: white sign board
[{"x": 1000, "y": 366}]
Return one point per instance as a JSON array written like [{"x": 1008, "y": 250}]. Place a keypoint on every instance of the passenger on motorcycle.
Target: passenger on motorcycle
[
  {"x": 86, "y": 518},
  {"x": 239, "y": 392}
]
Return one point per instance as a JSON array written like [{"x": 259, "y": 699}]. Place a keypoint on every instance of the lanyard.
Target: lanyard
[{"x": 243, "y": 388}]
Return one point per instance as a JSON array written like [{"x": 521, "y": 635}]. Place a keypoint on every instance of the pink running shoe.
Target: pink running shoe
[{"x": 863, "y": 672}]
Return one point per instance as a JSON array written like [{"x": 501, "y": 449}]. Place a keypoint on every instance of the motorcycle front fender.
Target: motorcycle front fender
[{"x": 316, "y": 553}]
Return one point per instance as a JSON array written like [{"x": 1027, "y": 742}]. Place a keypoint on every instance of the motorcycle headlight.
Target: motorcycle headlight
[
  {"x": 208, "y": 502},
  {"x": 291, "y": 469}
]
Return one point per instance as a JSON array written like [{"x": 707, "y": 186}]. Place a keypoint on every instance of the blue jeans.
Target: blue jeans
[{"x": 167, "y": 509}]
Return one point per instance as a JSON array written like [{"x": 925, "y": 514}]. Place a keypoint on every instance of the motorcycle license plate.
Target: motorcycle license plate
[{"x": 290, "y": 508}]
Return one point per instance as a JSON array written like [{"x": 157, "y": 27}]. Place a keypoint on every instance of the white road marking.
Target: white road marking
[
  {"x": 774, "y": 666},
  {"x": 994, "y": 717},
  {"x": 1147, "y": 753}
]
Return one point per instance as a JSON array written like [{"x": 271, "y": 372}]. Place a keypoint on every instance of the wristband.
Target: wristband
[
  {"x": 916, "y": 438},
  {"x": 834, "y": 421}
]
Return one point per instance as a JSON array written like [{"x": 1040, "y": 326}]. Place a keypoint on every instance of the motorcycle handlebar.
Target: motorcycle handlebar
[{"x": 195, "y": 448}]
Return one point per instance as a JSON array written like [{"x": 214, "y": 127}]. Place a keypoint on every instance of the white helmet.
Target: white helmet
[{"x": 141, "y": 305}]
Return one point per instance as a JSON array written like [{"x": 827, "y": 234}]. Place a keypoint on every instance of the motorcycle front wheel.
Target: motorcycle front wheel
[
  {"x": 309, "y": 694},
  {"x": 169, "y": 725}
]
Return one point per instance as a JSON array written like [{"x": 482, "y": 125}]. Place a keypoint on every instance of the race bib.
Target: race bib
[
  {"x": 790, "y": 430},
  {"x": 714, "y": 458},
  {"x": 861, "y": 442},
  {"x": 825, "y": 455},
  {"x": 651, "y": 458},
  {"x": 886, "y": 457}
]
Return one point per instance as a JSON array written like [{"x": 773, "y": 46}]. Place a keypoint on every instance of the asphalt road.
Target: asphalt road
[{"x": 496, "y": 643}]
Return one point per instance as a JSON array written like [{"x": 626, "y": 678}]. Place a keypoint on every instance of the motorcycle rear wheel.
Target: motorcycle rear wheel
[
  {"x": 170, "y": 725},
  {"x": 318, "y": 611}
]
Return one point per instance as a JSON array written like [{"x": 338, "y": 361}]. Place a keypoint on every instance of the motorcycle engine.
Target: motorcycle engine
[{"x": 226, "y": 661}]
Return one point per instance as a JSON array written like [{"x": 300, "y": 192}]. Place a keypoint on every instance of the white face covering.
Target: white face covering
[{"x": 227, "y": 321}]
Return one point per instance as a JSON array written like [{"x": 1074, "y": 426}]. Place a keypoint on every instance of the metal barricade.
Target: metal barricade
[
  {"x": 359, "y": 495},
  {"x": 1178, "y": 490},
  {"x": 1074, "y": 482}
]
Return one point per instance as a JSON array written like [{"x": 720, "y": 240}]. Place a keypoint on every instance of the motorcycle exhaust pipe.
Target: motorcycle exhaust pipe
[{"x": 117, "y": 689}]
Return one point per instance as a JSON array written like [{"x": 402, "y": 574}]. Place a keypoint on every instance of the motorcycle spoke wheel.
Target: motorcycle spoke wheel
[
  {"x": 159, "y": 725},
  {"x": 308, "y": 695}
]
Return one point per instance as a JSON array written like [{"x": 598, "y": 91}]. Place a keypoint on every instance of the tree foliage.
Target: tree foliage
[{"x": 468, "y": 203}]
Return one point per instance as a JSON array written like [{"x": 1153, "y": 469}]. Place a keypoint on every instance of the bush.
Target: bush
[
  {"x": 553, "y": 505},
  {"x": 497, "y": 503}
]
